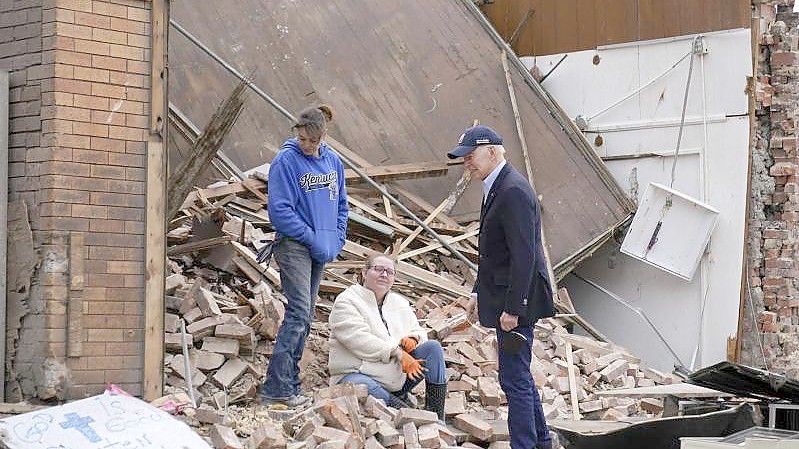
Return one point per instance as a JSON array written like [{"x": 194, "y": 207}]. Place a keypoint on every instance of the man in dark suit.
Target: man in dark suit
[{"x": 513, "y": 289}]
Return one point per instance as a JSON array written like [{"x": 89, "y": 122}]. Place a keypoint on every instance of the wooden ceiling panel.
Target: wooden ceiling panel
[{"x": 404, "y": 82}]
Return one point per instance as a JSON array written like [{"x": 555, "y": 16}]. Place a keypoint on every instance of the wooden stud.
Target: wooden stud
[
  {"x": 155, "y": 226},
  {"x": 572, "y": 382}
]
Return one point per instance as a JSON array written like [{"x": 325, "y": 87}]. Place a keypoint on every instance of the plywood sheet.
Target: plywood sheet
[{"x": 566, "y": 26}]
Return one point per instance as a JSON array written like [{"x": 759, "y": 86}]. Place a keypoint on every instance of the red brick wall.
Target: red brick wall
[
  {"x": 773, "y": 276},
  {"x": 80, "y": 77}
]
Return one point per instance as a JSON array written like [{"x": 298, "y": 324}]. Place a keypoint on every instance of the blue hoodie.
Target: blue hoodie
[{"x": 308, "y": 199}]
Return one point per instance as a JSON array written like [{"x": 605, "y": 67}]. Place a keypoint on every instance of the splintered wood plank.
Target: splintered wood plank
[
  {"x": 572, "y": 382},
  {"x": 213, "y": 193},
  {"x": 250, "y": 257},
  {"x": 399, "y": 172},
  {"x": 437, "y": 245},
  {"x": 198, "y": 245},
  {"x": 414, "y": 272},
  {"x": 429, "y": 208},
  {"x": 156, "y": 210},
  {"x": 419, "y": 229},
  {"x": 371, "y": 211}
]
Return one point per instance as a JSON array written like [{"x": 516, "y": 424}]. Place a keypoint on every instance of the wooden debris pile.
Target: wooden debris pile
[{"x": 230, "y": 307}]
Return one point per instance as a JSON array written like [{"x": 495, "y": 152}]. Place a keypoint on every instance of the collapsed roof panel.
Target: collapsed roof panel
[
  {"x": 403, "y": 82},
  {"x": 746, "y": 381}
]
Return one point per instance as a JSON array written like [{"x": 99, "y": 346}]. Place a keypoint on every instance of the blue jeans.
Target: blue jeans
[
  {"x": 300, "y": 277},
  {"x": 436, "y": 372},
  {"x": 526, "y": 421}
]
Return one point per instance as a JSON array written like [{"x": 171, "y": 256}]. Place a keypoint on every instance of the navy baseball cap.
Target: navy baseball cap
[{"x": 473, "y": 138}]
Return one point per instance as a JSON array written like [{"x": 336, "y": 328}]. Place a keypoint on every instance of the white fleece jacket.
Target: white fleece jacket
[{"x": 361, "y": 342}]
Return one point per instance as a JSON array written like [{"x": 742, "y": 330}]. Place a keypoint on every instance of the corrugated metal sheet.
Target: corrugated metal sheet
[
  {"x": 569, "y": 25},
  {"x": 404, "y": 82}
]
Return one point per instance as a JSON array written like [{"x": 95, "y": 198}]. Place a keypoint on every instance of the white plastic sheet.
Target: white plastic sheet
[{"x": 106, "y": 421}]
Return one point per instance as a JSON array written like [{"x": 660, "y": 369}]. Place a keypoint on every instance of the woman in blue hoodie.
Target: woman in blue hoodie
[{"x": 308, "y": 209}]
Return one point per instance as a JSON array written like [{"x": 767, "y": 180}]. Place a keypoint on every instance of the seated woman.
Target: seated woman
[{"x": 376, "y": 340}]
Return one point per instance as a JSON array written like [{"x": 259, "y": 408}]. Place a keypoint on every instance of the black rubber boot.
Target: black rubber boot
[
  {"x": 395, "y": 402},
  {"x": 434, "y": 397}
]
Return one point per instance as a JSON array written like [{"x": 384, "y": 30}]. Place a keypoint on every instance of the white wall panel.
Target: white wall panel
[{"x": 712, "y": 167}]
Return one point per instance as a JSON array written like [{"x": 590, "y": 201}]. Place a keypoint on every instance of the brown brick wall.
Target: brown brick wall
[
  {"x": 772, "y": 284},
  {"x": 80, "y": 78}
]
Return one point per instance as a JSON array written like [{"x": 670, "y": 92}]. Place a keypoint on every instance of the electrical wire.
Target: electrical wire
[
  {"x": 756, "y": 328},
  {"x": 638, "y": 311},
  {"x": 636, "y": 91},
  {"x": 682, "y": 116}
]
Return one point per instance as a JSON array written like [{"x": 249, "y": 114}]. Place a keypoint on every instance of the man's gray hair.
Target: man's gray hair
[{"x": 500, "y": 149}]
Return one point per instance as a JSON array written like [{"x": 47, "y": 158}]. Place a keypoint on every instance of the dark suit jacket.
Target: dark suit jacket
[{"x": 512, "y": 273}]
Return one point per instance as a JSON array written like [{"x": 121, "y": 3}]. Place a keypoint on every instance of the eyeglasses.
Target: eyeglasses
[{"x": 380, "y": 270}]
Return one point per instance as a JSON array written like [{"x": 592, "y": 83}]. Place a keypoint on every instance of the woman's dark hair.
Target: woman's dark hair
[{"x": 314, "y": 119}]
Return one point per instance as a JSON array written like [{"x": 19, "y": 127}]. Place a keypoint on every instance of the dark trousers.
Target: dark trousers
[
  {"x": 300, "y": 277},
  {"x": 526, "y": 421}
]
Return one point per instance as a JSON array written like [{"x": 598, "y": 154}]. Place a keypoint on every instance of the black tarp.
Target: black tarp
[
  {"x": 746, "y": 381},
  {"x": 662, "y": 433}
]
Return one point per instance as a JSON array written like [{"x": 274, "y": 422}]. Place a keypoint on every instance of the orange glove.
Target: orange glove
[
  {"x": 408, "y": 344},
  {"x": 411, "y": 366}
]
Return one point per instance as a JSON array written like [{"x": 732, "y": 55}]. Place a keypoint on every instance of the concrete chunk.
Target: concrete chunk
[
  {"x": 418, "y": 417},
  {"x": 455, "y": 404},
  {"x": 499, "y": 445},
  {"x": 500, "y": 430},
  {"x": 652, "y": 405},
  {"x": 205, "y": 327},
  {"x": 230, "y": 372},
  {"x": 172, "y": 342},
  {"x": 309, "y": 427},
  {"x": 240, "y": 332},
  {"x": 387, "y": 434},
  {"x": 192, "y": 315},
  {"x": 428, "y": 436},
  {"x": 228, "y": 347},
  {"x": 614, "y": 370},
  {"x": 335, "y": 416},
  {"x": 490, "y": 394},
  {"x": 360, "y": 391},
  {"x": 174, "y": 282},
  {"x": 207, "y": 303},
  {"x": 207, "y": 415},
  {"x": 411, "y": 435},
  {"x": 591, "y": 406},
  {"x": 190, "y": 300},
  {"x": 372, "y": 443},
  {"x": 171, "y": 323},
  {"x": 205, "y": 360},
  {"x": 378, "y": 409},
  {"x": 332, "y": 444},
  {"x": 179, "y": 367},
  {"x": 474, "y": 426},
  {"x": 267, "y": 436},
  {"x": 324, "y": 433},
  {"x": 223, "y": 437}
]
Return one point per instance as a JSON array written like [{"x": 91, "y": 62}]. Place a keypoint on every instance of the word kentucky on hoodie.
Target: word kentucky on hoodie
[
  {"x": 300, "y": 208},
  {"x": 315, "y": 181}
]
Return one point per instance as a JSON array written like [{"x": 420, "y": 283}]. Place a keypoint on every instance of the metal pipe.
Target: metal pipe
[
  {"x": 544, "y": 78},
  {"x": 184, "y": 346},
  {"x": 638, "y": 311},
  {"x": 344, "y": 159}
]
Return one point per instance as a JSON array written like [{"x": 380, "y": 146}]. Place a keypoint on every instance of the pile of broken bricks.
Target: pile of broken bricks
[{"x": 224, "y": 309}]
